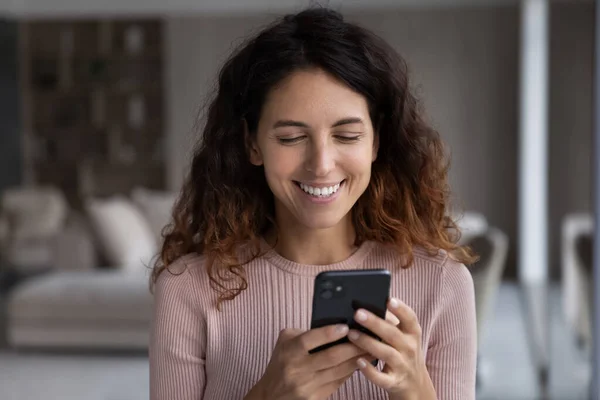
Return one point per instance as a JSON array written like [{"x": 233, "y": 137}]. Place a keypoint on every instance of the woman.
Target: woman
[{"x": 314, "y": 157}]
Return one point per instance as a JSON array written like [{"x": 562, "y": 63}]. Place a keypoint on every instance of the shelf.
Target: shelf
[
  {"x": 154, "y": 89},
  {"x": 85, "y": 88}
]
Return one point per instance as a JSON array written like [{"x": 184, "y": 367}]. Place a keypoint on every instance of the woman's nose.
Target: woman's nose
[{"x": 320, "y": 160}]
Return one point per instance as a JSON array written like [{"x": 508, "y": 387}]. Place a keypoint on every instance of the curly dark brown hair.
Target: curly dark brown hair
[{"x": 225, "y": 200}]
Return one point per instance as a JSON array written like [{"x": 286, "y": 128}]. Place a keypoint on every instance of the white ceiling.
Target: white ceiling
[
  {"x": 61, "y": 8},
  {"x": 66, "y": 8}
]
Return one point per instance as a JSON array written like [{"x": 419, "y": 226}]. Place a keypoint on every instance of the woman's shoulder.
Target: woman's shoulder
[
  {"x": 184, "y": 275},
  {"x": 438, "y": 258},
  {"x": 438, "y": 263},
  {"x": 454, "y": 276}
]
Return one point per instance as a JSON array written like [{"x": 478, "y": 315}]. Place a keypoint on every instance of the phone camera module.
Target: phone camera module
[{"x": 327, "y": 294}]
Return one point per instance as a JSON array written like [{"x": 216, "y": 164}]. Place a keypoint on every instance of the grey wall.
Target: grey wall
[
  {"x": 571, "y": 119},
  {"x": 10, "y": 139},
  {"x": 195, "y": 48},
  {"x": 464, "y": 66}
]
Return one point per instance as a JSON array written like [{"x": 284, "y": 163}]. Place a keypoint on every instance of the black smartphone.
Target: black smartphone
[{"x": 339, "y": 294}]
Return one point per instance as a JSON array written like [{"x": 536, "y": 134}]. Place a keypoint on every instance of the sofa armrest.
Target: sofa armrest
[{"x": 73, "y": 247}]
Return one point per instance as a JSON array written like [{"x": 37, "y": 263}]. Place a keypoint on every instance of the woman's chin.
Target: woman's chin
[{"x": 321, "y": 222}]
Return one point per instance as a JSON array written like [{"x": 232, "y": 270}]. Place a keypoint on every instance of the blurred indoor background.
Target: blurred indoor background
[{"x": 99, "y": 105}]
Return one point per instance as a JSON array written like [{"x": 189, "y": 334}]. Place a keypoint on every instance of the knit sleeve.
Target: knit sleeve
[
  {"x": 178, "y": 340},
  {"x": 452, "y": 350}
]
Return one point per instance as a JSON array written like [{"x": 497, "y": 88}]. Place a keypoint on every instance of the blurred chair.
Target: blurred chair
[
  {"x": 492, "y": 248},
  {"x": 491, "y": 245},
  {"x": 471, "y": 224},
  {"x": 577, "y": 245},
  {"x": 32, "y": 217}
]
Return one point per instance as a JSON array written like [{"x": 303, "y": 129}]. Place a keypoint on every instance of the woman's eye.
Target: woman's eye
[
  {"x": 348, "y": 138},
  {"x": 290, "y": 140}
]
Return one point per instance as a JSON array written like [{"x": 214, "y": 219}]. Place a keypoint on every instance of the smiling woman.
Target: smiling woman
[
  {"x": 315, "y": 147},
  {"x": 314, "y": 157}
]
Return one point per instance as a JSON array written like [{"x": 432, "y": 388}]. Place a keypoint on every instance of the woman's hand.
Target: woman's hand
[
  {"x": 404, "y": 375},
  {"x": 294, "y": 374}
]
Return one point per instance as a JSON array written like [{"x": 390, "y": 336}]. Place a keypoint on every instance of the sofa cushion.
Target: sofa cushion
[
  {"x": 34, "y": 213},
  {"x": 95, "y": 296},
  {"x": 123, "y": 233},
  {"x": 156, "y": 207}
]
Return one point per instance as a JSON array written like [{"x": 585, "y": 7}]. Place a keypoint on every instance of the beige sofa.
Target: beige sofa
[
  {"x": 96, "y": 296},
  {"x": 81, "y": 304}
]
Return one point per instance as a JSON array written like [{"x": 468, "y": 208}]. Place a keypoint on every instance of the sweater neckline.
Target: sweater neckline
[{"x": 352, "y": 262}]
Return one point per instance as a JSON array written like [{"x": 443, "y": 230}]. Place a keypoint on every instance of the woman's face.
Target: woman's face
[{"x": 316, "y": 142}]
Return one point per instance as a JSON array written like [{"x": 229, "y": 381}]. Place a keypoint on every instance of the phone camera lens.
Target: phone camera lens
[
  {"x": 327, "y": 294},
  {"x": 327, "y": 285}
]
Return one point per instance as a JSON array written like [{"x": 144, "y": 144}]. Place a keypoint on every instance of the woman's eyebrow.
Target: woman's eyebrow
[
  {"x": 289, "y": 122},
  {"x": 299, "y": 124},
  {"x": 348, "y": 121}
]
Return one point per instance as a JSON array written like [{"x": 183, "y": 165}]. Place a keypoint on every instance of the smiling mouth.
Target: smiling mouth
[{"x": 321, "y": 192}]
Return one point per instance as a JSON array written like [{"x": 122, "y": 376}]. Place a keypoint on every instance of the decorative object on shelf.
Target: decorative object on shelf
[
  {"x": 44, "y": 75},
  {"x": 98, "y": 69},
  {"x": 134, "y": 40},
  {"x": 137, "y": 111}
]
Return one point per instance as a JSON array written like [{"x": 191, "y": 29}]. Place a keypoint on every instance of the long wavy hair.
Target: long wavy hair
[{"x": 225, "y": 201}]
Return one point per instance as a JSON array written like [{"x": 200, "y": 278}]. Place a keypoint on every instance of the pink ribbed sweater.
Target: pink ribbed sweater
[{"x": 197, "y": 352}]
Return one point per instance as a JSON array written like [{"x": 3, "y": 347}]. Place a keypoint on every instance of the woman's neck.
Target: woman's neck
[{"x": 315, "y": 247}]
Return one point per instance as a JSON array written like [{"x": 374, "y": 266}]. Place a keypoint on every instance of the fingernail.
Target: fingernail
[
  {"x": 361, "y": 316},
  {"x": 353, "y": 335},
  {"x": 361, "y": 363},
  {"x": 341, "y": 329},
  {"x": 394, "y": 302}
]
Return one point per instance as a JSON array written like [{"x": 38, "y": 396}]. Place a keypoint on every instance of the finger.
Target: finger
[
  {"x": 409, "y": 322},
  {"x": 387, "y": 332},
  {"x": 314, "y": 338},
  {"x": 327, "y": 389},
  {"x": 334, "y": 356},
  {"x": 375, "y": 376},
  {"x": 343, "y": 371},
  {"x": 339, "y": 372},
  {"x": 375, "y": 348},
  {"x": 391, "y": 318},
  {"x": 329, "y": 386},
  {"x": 288, "y": 334}
]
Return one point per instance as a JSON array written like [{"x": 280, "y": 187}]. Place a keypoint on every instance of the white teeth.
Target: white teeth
[{"x": 320, "y": 192}]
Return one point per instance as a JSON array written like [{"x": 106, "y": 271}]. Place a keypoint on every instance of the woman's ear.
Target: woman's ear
[
  {"x": 376, "y": 138},
  {"x": 254, "y": 154},
  {"x": 375, "y": 146}
]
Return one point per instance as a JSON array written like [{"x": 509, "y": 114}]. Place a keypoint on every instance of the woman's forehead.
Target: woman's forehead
[{"x": 314, "y": 97}]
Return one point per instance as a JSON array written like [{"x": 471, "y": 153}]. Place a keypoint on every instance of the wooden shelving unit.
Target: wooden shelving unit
[{"x": 93, "y": 105}]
